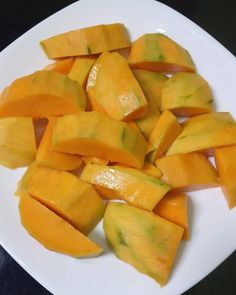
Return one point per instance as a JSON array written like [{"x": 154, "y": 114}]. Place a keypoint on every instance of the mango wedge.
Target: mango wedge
[
  {"x": 34, "y": 96},
  {"x": 128, "y": 184},
  {"x": 95, "y": 134},
  {"x": 226, "y": 167},
  {"x": 187, "y": 172},
  {"x": 17, "y": 142},
  {"x": 142, "y": 239},
  {"x": 113, "y": 89},
  {"x": 61, "y": 66},
  {"x": 53, "y": 232}
]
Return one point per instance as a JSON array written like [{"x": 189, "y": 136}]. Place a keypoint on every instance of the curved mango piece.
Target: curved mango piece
[
  {"x": 53, "y": 232},
  {"x": 87, "y": 41},
  {"x": 157, "y": 52},
  {"x": 61, "y": 66}
]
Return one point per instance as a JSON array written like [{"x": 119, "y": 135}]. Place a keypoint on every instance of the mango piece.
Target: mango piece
[
  {"x": 62, "y": 66},
  {"x": 42, "y": 94},
  {"x": 112, "y": 88},
  {"x": 105, "y": 193},
  {"x": 95, "y": 134},
  {"x": 225, "y": 163},
  {"x": 52, "y": 159},
  {"x": 131, "y": 185},
  {"x": 17, "y": 142},
  {"x": 65, "y": 194},
  {"x": 156, "y": 52},
  {"x": 165, "y": 131},
  {"x": 142, "y": 239},
  {"x": 187, "y": 172},
  {"x": 173, "y": 207},
  {"x": 151, "y": 170},
  {"x": 86, "y": 41},
  {"x": 204, "y": 133},
  {"x": 187, "y": 94},
  {"x": 53, "y": 232}
]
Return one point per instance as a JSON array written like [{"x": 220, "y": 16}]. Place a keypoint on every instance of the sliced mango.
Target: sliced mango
[
  {"x": 42, "y": 94},
  {"x": 151, "y": 170},
  {"x": 62, "y": 66},
  {"x": 187, "y": 172},
  {"x": 86, "y": 41},
  {"x": 157, "y": 52},
  {"x": 17, "y": 142},
  {"x": 113, "y": 88},
  {"x": 142, "y": 239},
  {"x": 53, "y": 232}
]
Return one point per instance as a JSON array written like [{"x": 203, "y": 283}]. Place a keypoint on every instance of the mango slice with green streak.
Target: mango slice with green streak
[
  {"x": 159, "y": 53},
  {"x": 113, "y": 89},
  {"x": 131, "y": 185},
  {"x": 95, "y": 134},
  {"x": 142, "y": 239},
  {"x": 187, "y": 94}
]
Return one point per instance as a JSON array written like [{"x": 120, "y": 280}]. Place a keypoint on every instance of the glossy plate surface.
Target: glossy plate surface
[{"x": 212, "y": 224}]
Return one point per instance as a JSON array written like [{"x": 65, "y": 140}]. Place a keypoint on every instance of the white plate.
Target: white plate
[{"x": 212, "y": 224}]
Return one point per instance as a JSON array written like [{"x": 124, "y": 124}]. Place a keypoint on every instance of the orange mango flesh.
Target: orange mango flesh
[
  {"x": 113, "y": 88},
  {"x": 226, "y": 167},
  {"x": 53, "y": 232},
  {"x": 173, "y": 207},
  {"x": 151, "y": 170},
  {"x": 52, "y": 159},
  {"x": 95, "y": 134},
  {"x": 187, "y": 172},
  {"x": 165, "y": 131},
  {"x": 204, "y": 133},
  {"x": 187, "y": 94},
  {"x": 156, "y": 52},
  {"x": 42, "y": 94},
  {"x": 61, "y": 66},
  {"x": 133, "y": 186},
  {"x": 17, "y": 142},
  {"x": 87, "y": 41},
  {"x": 65, "y": 194}
]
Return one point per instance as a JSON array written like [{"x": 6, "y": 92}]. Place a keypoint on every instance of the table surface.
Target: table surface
[{"x": 217, "y": 18}]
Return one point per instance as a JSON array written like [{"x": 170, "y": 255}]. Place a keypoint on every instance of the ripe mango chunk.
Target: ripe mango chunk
[
  {"x": 156, "y": 52},
  {"x": 52, "y": 159},
  {"x": 226, "y": 167},
  {"x": 42, "y": 94},
  {"x": 187, "y": 172},
  {"x": 61, "y": 66},
  {"x": 86, "y": 41},
  {"x": 173, "y": 207},
  {"x": 17, "y": 142},
  {"x": 142, "y": 239},
  {"x": 128, "y": 184},
  {"x": 95, "y": 134},
  {"x": 187, "y": 94},
  {"x": 204, "y": 133},
  {"x": 53, "y": 232},
  {"x": 165, "y": 131},
  {"x": 65, "y": 194},
  {"x": 113, "y": 89}
]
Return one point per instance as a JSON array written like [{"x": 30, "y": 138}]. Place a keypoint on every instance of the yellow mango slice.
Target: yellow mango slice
[
  {"x": 62, "y": 66},
  {"x": 156, "y": 52},
  {"x": 95, "y": 134},
  {"x": 165, "y": 131},
  {"x": 86, "y": 41},
  {"x": 65, "y": 194},
  {"x": 187, "y": 94},
  {"x": 52, "y": 159},
  {"x": 187, "y": 172},
  {"x": 173, "y": 207},
  {"x": 226, "y": 168},
  {"x": 17, "y": 142},
  {"x": 142, "y": 239},
  {"x": 53, "y": 232},
  {"x": 151, "y": 170},
  {"x": 113, "y": 88},
  {"x": 133, "y": 186},
  {"x": 42, "y": 94},
  {"x": 203, "y": 133}
]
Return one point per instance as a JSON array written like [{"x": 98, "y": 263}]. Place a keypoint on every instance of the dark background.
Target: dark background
[{"x": 218, "y": 18}]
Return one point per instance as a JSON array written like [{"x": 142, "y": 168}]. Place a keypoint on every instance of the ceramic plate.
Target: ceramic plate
[{"x": 212, "y": 224}]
